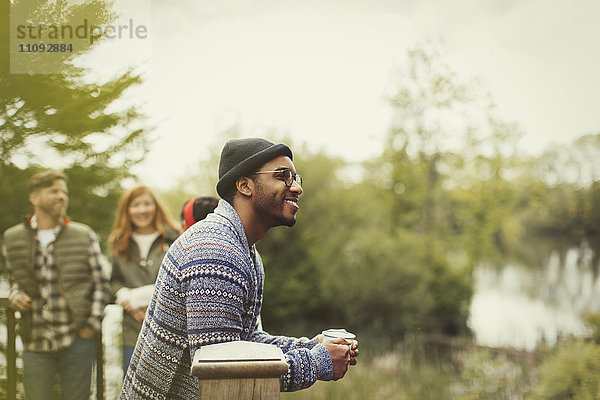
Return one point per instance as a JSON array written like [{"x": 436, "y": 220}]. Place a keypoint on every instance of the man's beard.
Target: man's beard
[
  {"x": 51, "y": 209},
  {"x": 270, "y": 207}
]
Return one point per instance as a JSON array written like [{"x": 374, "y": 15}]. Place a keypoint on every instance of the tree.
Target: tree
[
  {"x": 427, "y": 100},
  {"x": 63, "y": 120},
  {"x": 449, "y": 158}
]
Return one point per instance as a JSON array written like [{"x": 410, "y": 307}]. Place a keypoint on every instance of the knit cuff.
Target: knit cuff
[
  {"x": 324, "y": 362},
  {"x": 307, "y": 343}
]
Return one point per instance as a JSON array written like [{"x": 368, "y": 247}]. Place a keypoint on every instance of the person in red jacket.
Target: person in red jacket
[{"x": 196, "y": 209}]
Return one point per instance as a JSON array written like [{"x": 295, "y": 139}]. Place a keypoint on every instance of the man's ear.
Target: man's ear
[
  {"x": 33, "y": 198},
  {"x": 245, "y": 186}
]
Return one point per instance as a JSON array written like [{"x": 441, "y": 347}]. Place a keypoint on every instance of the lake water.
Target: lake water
[{"x": 520, "y": 305}]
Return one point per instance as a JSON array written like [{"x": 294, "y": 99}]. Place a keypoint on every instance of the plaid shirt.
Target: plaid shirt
[{"x": 53, "y": 327}]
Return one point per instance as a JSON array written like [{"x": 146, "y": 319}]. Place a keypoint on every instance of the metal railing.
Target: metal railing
[{"x": 11, "y": 355}]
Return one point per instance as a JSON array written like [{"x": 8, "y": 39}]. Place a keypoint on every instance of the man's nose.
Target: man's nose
[{"x": 296, "y": 188}]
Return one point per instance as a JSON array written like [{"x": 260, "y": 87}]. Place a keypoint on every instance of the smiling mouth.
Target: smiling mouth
[{"x": 293, "y": 202}]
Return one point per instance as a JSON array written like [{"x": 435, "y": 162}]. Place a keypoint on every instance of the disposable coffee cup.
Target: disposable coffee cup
[{"x": 331, "y": 334}]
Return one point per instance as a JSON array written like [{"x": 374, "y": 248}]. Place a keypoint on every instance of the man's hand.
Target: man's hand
[
  {"x": 86, "y": 332},
  {"x": 353, "y": 348},
  {"x": 340, "y": 356},
  {"x": 353, "y": 352},
  {"x": 21, "y": 302}
]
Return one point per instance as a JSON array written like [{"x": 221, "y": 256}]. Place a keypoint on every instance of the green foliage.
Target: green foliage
[
  {"x": 571, "y": 372},
  {"x": 94, "y": 193},
  {"x": 564, "y": 202},
  {"x": 592, "y": 322},
  {"x": 65, "y": 122},
  {"x": 13, "y": 188},
  {"x": 572, "y": 369},
  {"x": 451, "y": 293},
  {"x": 384, "y": 288},
  {"x": 64, "y": 110}
]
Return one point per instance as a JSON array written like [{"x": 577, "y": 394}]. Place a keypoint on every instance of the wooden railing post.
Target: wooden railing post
[
  {"x": 239, "y": 370},
  {"x": 11, "y": 350}
]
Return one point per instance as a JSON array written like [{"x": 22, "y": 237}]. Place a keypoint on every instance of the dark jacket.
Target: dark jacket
[{"x": 135, "y": 272}]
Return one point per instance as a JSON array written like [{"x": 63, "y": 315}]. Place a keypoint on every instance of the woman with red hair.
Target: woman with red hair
[{"x": 141, "y": 236}]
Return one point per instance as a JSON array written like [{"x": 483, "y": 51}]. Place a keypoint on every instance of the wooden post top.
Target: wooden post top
[{"x": 235, "y": 360}]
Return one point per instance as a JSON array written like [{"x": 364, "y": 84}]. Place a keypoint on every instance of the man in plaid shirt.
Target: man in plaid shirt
[{"x": 59, "y": 288}]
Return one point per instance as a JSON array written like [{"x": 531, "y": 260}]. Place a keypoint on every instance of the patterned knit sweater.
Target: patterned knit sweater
[{"x": 209, "y": 290}]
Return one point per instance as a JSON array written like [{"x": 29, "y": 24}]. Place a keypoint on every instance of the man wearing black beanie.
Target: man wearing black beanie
[{"x": 210, "y": 285}]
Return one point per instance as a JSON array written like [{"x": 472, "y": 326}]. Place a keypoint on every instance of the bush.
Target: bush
[{"x": 571, "y": 372}]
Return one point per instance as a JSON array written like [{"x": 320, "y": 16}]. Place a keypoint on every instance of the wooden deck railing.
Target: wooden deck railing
[{"x": 11, "y": 355}]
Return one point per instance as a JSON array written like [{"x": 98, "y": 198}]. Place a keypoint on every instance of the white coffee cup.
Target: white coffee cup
[{"x": 331, "y": 334}]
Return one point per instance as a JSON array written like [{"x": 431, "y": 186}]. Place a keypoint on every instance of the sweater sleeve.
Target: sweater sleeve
[
  {"x": 308, "y": 361},
  {"x": 214, "y": 303},
  {"x": 215, "y": 296}
]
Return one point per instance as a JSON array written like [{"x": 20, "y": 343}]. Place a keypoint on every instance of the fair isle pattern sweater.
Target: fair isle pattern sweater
[{"x": 209, "y": 290}]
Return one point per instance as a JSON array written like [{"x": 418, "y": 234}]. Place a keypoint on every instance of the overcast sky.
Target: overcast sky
[{"x": 319, "y": 70}]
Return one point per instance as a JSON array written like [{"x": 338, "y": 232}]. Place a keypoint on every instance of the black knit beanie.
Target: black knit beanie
[{"x": 244, "y": 156}]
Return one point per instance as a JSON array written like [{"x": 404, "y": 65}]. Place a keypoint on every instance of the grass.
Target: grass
[{"x": 415, "y": 370}]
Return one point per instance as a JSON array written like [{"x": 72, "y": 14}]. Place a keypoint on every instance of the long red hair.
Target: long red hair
[{"x": 119, "y": 238}]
